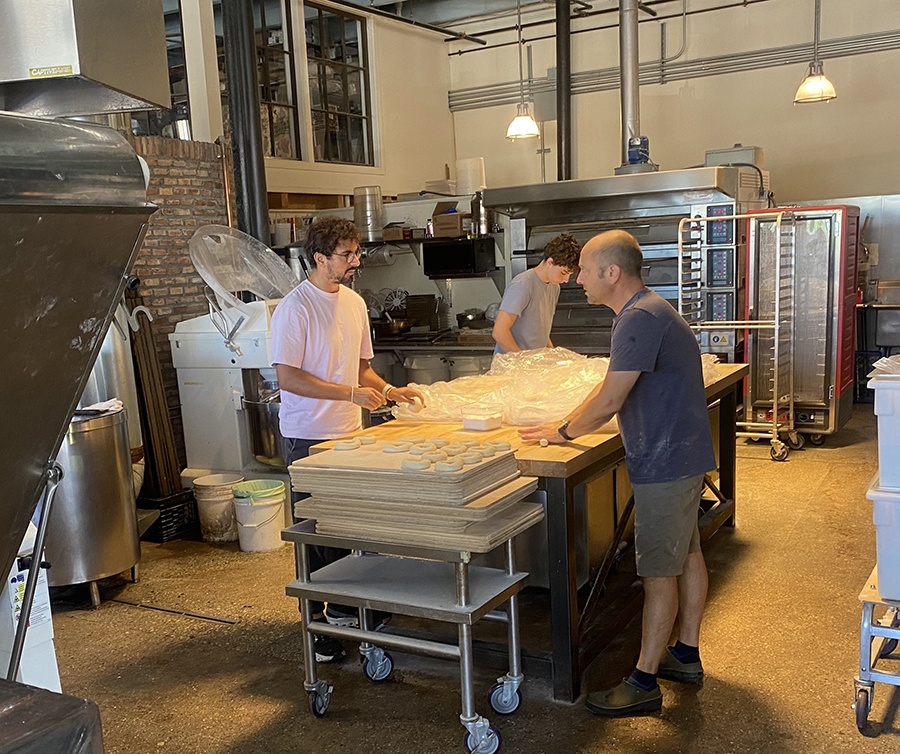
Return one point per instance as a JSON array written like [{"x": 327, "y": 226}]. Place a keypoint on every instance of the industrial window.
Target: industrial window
[
  {"x": 275, "y": 74},
  {"x": 340, "y": 104}
]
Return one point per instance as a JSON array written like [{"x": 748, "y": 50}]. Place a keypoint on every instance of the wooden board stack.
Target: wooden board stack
[{"x": 435, "y": 494}]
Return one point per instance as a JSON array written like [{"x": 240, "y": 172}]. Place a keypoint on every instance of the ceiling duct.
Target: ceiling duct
[
  {"x": 82, "y": 57},
  {"x": 635, "y": 147}
]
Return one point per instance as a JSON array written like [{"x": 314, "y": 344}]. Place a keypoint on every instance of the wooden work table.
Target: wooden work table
[{"x": 563, "y": 471}]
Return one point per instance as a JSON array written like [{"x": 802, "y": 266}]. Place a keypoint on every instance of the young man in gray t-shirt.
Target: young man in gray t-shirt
[{"x": 529, "y": 301}]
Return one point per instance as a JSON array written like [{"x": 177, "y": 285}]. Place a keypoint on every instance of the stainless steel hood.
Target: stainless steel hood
[
  {"x": 82, "y": 57},
  {"x": 640, "y": 194},
  {"x": 66, "y": 244}
]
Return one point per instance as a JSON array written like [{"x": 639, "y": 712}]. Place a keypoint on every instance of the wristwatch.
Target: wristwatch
[{"x": 561, "y": 429}]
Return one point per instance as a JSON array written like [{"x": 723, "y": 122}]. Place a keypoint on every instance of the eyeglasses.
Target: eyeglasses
[{"x": 348, "y": 255}]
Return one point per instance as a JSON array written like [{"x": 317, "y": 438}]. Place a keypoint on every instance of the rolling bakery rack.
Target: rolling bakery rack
[
  {"x": 768, "y": 327},
  {"x": 412, "y": 536}
]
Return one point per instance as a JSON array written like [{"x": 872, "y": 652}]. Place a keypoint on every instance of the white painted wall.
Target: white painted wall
[{"x": 847, "y": 147}]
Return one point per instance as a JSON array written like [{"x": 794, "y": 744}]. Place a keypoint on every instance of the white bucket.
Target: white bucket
[
  {"x": 886, "y": 517},
  {"x": 259, "y": 523},
  {"x": 214, "y": 506}
]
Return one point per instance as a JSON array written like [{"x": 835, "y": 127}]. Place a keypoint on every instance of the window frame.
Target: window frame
[{"x": 316, "y": 64}]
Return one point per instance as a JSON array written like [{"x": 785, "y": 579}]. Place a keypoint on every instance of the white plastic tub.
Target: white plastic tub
[
  {"x": 481, "y": 418},
  {"x": 886, "y": 517},
  {"x": 887, "y": 409},
  {"x": 426, "y": 369}
]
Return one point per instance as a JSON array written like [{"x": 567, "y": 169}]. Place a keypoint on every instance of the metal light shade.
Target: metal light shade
[
  {"x": 523, "y": 125},
  {"x": 815, "y": 87}
]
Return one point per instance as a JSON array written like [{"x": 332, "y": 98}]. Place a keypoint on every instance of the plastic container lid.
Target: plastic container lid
[{"x": 229, "y": 260}]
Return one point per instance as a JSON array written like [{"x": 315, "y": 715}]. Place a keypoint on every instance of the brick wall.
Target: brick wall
[{"x": 186, "y": 184}]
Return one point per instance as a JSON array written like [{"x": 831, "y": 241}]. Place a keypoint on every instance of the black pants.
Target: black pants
[{"x": 319, "y": 556}]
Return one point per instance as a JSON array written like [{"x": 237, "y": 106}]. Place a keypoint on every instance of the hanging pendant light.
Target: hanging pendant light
[
  {"x": 815, "y": 87},
  {"x": 523, "y": 126}
]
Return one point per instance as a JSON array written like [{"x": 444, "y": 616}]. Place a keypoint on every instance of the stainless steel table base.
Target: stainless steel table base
[{"x": 444, "y": 588}]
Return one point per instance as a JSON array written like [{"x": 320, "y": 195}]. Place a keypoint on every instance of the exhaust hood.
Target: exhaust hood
[{"x": 82, "y": 57}]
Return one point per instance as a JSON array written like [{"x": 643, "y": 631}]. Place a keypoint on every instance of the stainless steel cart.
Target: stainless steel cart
[
  {"x": 768, "y": 329},
  {"x": 877, "y": 639},
  {"x": 425, "y": 582}
]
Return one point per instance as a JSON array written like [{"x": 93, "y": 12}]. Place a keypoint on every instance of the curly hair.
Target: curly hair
[
  {"x": 325, "y": 234},
  {"x": 565, "y": 251}
]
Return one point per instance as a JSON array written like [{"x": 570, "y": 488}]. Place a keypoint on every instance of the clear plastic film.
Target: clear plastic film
[
  {"x": 887, "y": 366},
  {"x": 528, "y": 388}
]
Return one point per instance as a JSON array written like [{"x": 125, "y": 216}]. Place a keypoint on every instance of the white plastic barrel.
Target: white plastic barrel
[
  {"x": 214, "y": 506},
  {"x": 427, "y": 369},
  {"x": 465, "y": 366}
]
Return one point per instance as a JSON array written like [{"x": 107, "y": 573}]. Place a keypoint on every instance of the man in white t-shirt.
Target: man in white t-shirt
[
  {"x": 529, "y": 301},
  {"x": 321, "y": 346}
]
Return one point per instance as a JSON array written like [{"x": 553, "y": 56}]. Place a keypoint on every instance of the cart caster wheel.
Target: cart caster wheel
[
  {"x": 379, "y": 671},
  {"x": 502, "y": 705},
  {"x": 795, "y": 441},
  {"x": 779, "y": 452},
  {"x": 318, "y": 704},
  {"x": 888, "y": 647},
  {"x": 817, "y": 440},
  {"x": 490, "y": 744},
  {"x": 862, "y": 709}
]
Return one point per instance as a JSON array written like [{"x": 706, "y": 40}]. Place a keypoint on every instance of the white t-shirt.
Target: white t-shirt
[{"x": 324, "y": 334}]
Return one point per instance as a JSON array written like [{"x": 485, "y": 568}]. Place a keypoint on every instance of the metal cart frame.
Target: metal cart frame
[
  {"x": 780, "y": 326},
  {"x": 877, "y": 639},
  {"x": 432, "y": 583}
]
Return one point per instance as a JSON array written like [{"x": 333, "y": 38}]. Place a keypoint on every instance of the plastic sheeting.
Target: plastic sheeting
[{"x": 530, "y": 387}]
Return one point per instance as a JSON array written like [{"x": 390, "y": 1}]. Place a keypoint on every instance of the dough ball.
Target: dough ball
[
  {"x": 366, "y": 440},
  {"x": 544, "y": 442},
  {"x": 349, "y": 444},
  {"x": 415, "y": 464},
  {"x": 500, "y": 445},
  {"x": 416, "y": 405},
  {"x": 420, "y": 448},
  {"x": 435, "y": 455},
  {"x": 452, "y": 465},
  {"x": 469, "y": 458}
]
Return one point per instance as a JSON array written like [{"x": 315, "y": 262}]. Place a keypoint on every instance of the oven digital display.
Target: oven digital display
[{"x": 720, "y": 231}]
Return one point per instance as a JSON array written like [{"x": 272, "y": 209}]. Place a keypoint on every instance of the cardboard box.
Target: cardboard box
[
  {"x": 395, "y": 232},
  {"x": 448, "y": 223}
]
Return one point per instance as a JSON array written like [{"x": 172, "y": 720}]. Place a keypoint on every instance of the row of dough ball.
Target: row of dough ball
[{"x": 435, "y": 450}]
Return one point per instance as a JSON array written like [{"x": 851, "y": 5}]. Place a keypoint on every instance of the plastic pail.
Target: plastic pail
[
  {"x": 427, "y": 369},
  {"x": 215, "y": 508},
  {"x": 259, "y": 509},
  {"x": 465, "y": 366}
]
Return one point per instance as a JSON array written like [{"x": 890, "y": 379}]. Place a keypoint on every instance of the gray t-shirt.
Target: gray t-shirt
[
  {"x": 664, "y": 420},
  {"x": 534, "y": 302}
]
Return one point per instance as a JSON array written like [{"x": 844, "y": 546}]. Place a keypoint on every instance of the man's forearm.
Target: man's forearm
[{"x": 300, "y": 382}]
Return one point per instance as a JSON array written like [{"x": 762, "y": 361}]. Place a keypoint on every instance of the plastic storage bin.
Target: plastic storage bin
[
  {"x": 886, "y": 517},
  {"x": 887, "y": 409}
]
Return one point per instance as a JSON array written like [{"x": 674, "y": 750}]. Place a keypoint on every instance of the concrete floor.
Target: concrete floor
[{"x": 212, "y": 661}]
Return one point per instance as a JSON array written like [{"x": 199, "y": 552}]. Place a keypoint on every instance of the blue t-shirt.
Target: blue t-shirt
[{"x": 664, "y": 420}]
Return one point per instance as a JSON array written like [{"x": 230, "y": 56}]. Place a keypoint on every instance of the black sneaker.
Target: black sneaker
[
  {"x": 339, "y": 615},
  {"x": 328, "y": 649}
]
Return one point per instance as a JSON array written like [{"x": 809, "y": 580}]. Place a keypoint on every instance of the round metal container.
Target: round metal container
[
  {"x": 262, "y": 429},
  {"x": 368, "y": 212},
  {"x": 92, "y": 531}
]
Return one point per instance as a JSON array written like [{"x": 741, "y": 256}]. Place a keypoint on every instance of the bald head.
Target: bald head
[{"x": 616, "y": 247}]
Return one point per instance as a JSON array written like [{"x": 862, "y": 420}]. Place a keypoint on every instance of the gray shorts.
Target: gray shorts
[{"x": 665, "y": 525}]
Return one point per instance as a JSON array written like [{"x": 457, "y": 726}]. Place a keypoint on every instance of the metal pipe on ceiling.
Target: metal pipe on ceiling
[
  {"x": 628, "y": 68},
  {"x": 585, "y": 82},
  {"x": 251, "y": 199},
  {"x": 563, "y": 91}
]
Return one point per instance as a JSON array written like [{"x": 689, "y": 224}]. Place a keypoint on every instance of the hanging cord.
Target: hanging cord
[{"x": 519, "y": 46}]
